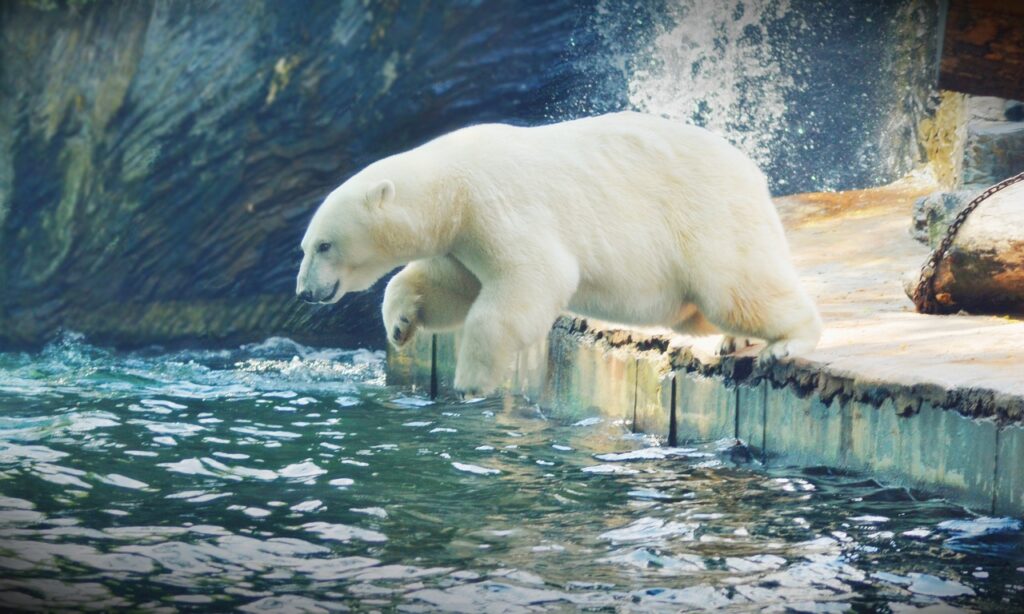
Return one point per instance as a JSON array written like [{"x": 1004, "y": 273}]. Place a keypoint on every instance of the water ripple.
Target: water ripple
[{"x": 277, "y": 477}]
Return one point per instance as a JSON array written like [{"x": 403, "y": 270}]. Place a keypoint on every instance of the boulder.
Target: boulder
[
  {"x": 994, "y": 151},
  {"x": 983, "y": 271},
  {"x": 934, "y": 212}
]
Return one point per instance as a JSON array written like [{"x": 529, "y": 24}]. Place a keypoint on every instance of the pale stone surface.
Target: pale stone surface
[
  {"x": 852, "y": 250},
  {"x": 993, "y": 152},
  {"x": 990, "y": 108}
]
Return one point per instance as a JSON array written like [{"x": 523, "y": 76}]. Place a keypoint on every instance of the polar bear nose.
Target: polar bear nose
[{"x": 307, "y": 295}]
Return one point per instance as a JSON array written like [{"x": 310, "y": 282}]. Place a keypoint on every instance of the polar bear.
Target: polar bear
[{"x": 625, "y": 217}]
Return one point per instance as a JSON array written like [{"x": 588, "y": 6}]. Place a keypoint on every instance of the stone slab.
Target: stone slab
[
  {"x": 411, "y": 365},
  {"x": 936, "y": 450},
  {"x": 803, "y": 431},
  {"x": 588, "y": 379},
  {"x": 854, "y": 252},
  {"x": 532, "y": 371},
  {"x": 946, "y": 453}
]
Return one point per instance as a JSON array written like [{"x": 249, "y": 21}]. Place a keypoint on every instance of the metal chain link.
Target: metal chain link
[{"x": 924, "y": 294}]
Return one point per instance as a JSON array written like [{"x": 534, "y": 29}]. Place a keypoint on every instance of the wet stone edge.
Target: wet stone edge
[{"x": 806, "y": 378}]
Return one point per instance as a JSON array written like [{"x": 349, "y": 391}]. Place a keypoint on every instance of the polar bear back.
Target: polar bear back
[
  {"x": 638, "y": 202},
  {"x": 637, "y": 199}
]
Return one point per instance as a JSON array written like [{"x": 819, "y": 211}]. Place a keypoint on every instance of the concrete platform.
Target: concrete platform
[{"x": 930, "y": 402}]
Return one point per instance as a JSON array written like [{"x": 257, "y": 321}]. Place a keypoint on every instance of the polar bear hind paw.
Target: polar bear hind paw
[
  {"x": 783, "y": 348},
  {"x": 731, "y": 344}
]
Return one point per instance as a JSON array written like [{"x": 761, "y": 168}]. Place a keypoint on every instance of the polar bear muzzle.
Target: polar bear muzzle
[
  {"x": 308, "y": 295},
  {"x": 318, "y": 281}
]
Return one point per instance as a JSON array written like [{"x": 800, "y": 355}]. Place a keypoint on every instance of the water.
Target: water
[
  {"x": 822, "y": 95},
  {"x": 276, "y": 477}
]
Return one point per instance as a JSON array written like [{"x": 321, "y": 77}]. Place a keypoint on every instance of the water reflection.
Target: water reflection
[{"x": 281, "y": 478}]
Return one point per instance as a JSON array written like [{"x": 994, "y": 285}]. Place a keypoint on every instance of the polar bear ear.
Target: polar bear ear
[{"x": 380, "y": 194}]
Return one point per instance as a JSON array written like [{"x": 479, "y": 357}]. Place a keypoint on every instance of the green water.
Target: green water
[{"x": 280, "y": 478}]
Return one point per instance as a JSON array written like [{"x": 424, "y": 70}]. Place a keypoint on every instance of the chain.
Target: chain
[{"x": 924, "y": 294}]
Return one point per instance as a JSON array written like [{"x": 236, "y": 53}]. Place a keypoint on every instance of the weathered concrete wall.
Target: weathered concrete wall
[{"x": 796, "y": 414}]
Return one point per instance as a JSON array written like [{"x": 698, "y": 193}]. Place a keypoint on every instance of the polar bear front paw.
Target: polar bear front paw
[
  {"x": 401, "y": 319},
  {"x": 402, "y": 331}
]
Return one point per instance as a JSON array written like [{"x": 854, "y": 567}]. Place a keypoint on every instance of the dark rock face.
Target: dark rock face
[
  {"x": 993, "y": 152},
  {"x": 159, "y": 160}
]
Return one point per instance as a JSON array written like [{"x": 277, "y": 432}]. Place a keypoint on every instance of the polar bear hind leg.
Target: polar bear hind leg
[
  {"x": 783, "y": 315},
  {"x": 692, "y": 322}
]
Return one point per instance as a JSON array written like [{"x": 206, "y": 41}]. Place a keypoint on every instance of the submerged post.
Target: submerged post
[
  {"x": 673, "y": 438},
  {"x": 433, "y": 367}
]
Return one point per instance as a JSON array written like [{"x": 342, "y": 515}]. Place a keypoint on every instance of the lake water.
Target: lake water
[{"x": 276, "y": 477}]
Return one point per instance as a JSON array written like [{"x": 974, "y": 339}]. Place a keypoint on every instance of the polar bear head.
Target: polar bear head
[{"x": 350, "y": 242}]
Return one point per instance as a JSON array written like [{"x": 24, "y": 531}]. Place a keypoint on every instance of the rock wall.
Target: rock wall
[{"x": 159, "y": 160}]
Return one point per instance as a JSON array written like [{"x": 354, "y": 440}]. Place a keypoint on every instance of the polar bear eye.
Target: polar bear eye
[{"x": 323, "y": 247}]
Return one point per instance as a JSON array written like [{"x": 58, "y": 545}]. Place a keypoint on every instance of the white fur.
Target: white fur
[{"x": 623, "y": 217}]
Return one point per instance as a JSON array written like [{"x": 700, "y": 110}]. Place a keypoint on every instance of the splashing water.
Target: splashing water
[
  {"x": 716, "y": 65},
  {"x": 277, "y": 477},
  {"x": 823, "y": 96}
]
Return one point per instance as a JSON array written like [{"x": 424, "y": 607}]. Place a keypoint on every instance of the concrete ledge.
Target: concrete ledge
[{"x": 785, "y": 415}]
